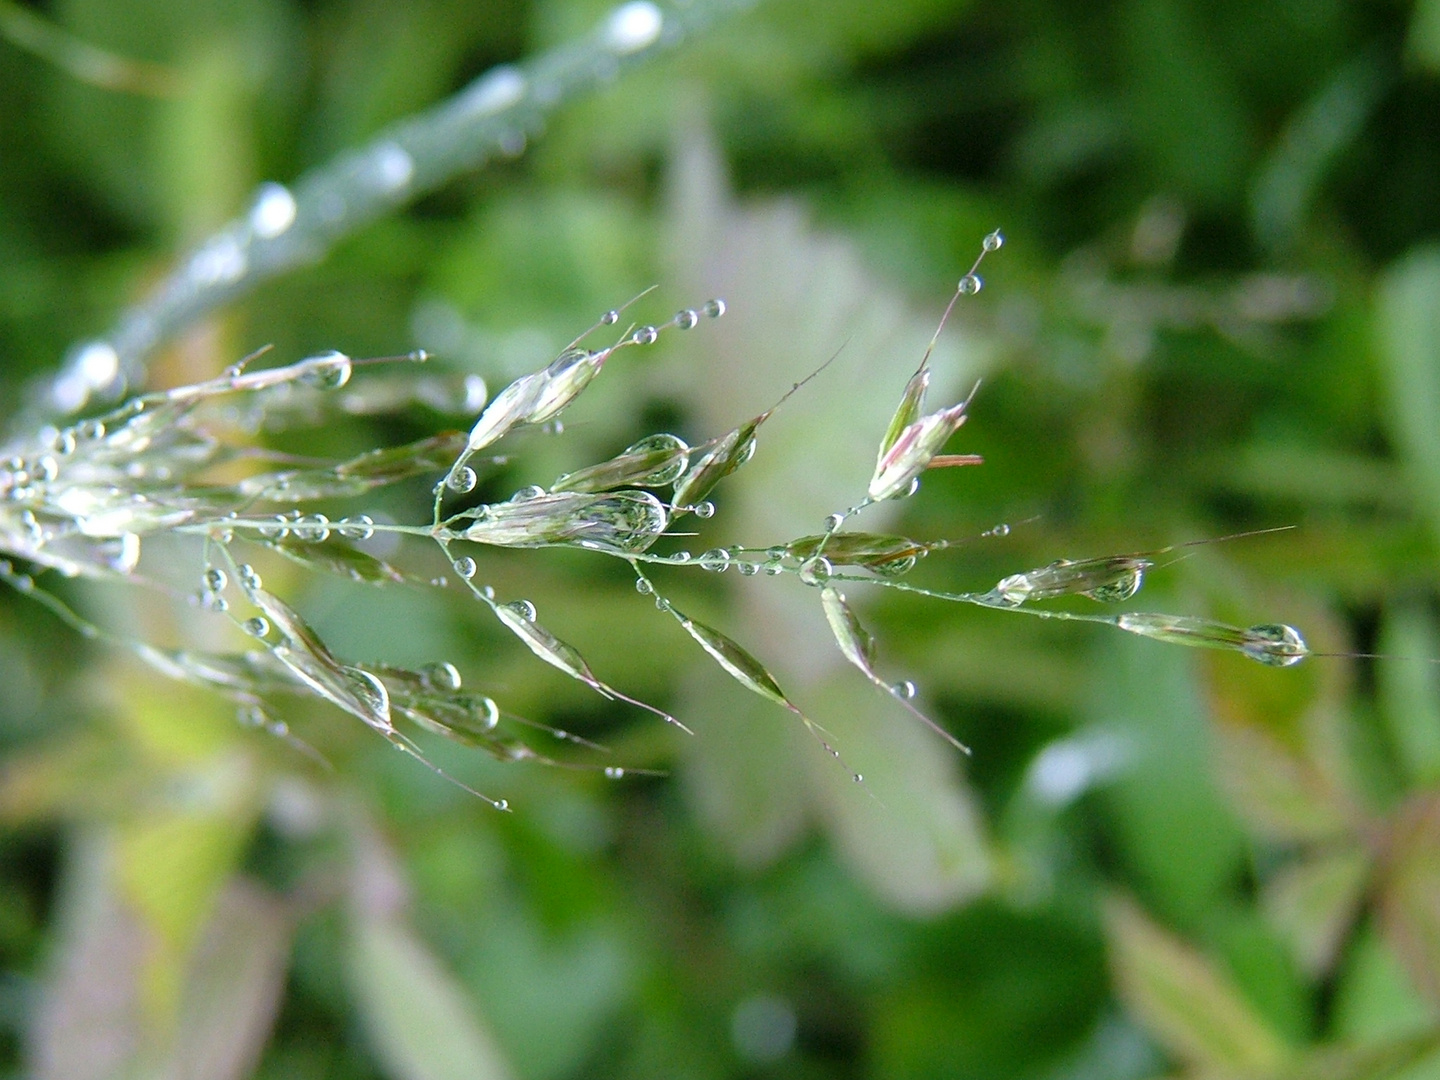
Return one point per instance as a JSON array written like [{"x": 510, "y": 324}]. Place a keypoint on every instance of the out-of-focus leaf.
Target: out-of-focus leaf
[
  {"x": 1308, "y": 145},
  {"x": 740, "y": 770},
  {"x": 1410, "y": 892},
  {"x": 1279, "y": 795},
  {"x": 1193, "y": 1009},
  {"x": 1376, "y": 1004},
  {"x": 1312, "y": 902},
  {"x": 911, "y": 831},
  {"x": 1378, "y": 1061},
  {"x": 87, "y": 1021},
  {"x": 1424, "y": 41},
  {"x": 1172, "y": 826},
  {"x": 171, "y": 866},
  {"x": 233, "y": 987},
  {"x": 422, "y": 1022},
  {"x": 1407, "y": 315},
  {"x": 420, "y": 1018},
  {"x": 1410, "y": 691},
  {"x": 83, "y": 773}
]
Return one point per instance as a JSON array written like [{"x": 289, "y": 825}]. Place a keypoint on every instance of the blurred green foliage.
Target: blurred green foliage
[{"x": 1217, "y": 310}]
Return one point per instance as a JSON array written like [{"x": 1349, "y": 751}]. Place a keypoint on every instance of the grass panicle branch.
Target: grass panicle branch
[
  {"x": 287, "y": 227},
  {"x": 83, "y": 501}
]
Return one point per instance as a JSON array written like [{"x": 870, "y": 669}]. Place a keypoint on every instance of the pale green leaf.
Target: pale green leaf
[
  {"x": 421, "y": 1021},
  {"x": 1276, "y": 792},
  {"x": 1313, "y": 901},
  {"x": 1190, "y": 1006}
]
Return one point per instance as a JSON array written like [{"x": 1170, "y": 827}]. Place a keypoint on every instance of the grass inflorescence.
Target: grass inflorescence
[{"x": 84, "y": 501}]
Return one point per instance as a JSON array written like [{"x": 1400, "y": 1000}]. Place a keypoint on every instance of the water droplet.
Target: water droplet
[
  {"x": 773, "y": 568},
  {"x": 858, "y": 778},
  {"x": 610, "y": 318},
  {"x": 645, "y": 335},
  {"x": 661, "y": 604},
  {"x": 441, "y": 676},
  {"x": 994, "y": 241},
  {"x": 465, "y": 567},
  {"x": 47, "y": 468},
  {"x": 911, "y": 489},
  {"x": 279, "y": 728},
  {"x": 91, "y": 429},
  {"x": 904, "y": 690},
  {"x": 681, "y": 557},
  {"x": 249, "y": 579},
  {"x": 833, "y": 522},
  {"x": 524, "y": 608},
  {"x": 315, "y": 528},
  {"x": 633, "y": 26},
  {"x": 440, "y": 582},
  {"x": 273, "y": 210},
  {"x": 970, "y": 284},
  {"x": 714, "y": 308},
  {"x": 687, "y": 319},
  {"x": 553, "y": 427},
  {"x": 277, "y": 529},
  {"x": 498, "y": 89},
  {"x": 488, "y": 591},
  {"x": 747, "y": 569},
  {"x": 816, "y": 571},
  {"x": 511, "y": 142},
  {"x": 525, "y": 494},
  {"x": 356, "y": 528},
  {"x": 250, "y": 716},
  {"x": 462, "y": 480},
  {"x": 329, "y": 371},
  {"x": 1275, "y": 644},
  {"x": 644, "y": 587},
  {"x": 705, "y": 509},
  {"x": 614, "y": 772},
  {"x": 717, "y": 559},
  {"x": 390, "y": 167},
  {"x": 258, "y": 626},
  {"x": 1000, "y": 530},
  {"x": 215, "y": 579},
  {"x": 502, "y": 804}
]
